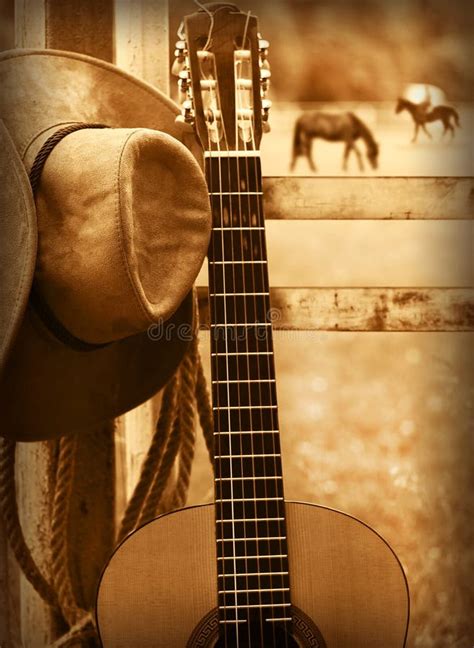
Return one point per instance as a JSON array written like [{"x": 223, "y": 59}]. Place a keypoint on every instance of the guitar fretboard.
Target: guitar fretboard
[{"x": 252, "y": 554}]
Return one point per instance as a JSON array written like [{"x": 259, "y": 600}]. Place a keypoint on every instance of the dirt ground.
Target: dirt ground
[{"x": 380, "y": 424}]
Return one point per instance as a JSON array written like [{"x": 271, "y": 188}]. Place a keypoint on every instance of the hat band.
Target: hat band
[{"x": 39, "y": 304}]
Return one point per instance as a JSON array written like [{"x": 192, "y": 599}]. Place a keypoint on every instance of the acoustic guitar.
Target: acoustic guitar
[{"x": 251, "y": 570}]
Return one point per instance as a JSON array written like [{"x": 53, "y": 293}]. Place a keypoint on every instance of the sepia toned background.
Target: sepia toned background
[{"x": 375, "y": 424}]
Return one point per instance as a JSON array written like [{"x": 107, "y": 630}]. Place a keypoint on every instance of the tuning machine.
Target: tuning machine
[
  {"x": 263, "y": 46},
  {"x": 180, "y": 62},
  {"x": 266, "y": 105},
  {"x": 187, "y": 115}
]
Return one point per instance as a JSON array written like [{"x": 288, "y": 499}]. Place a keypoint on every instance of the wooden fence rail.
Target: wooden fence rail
[
  {"x": 373, "y": 198},
  {"x": 366, "y": 309}
]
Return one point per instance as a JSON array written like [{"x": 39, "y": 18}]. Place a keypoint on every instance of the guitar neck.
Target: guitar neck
[{"x": 250, "y": 516}]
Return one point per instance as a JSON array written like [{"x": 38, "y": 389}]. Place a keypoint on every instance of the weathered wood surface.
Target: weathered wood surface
[
  {"x": 142, "y": 49},
  {"x": 379, "y": 198},
  {"x": 85, "y": 27},
  {"x": 30, "y": 24},
  {"x": 141, "y": 40},
  {"x": 366, "y": 309}
]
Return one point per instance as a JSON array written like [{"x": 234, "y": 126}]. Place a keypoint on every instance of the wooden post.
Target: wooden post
[
  {"x": 141, "y": 48},
  {"x": 141, "y": 40},
  {"x": 85, "y": 27}
]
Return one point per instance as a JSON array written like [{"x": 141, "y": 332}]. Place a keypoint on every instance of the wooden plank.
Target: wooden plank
[
  {"x": 34, "y": 502},
  {"x": 30, "y": 24},
  {"x": 141, "y": 49},
  {"x": 366, "y": 309},
  {"x": 141, "y": 40},
  {"x": 85, "y": 27},
  {"x": 377, "y": 198}
]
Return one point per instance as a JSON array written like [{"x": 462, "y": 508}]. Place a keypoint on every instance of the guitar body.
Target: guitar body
[{"x": 347, "y": 586}]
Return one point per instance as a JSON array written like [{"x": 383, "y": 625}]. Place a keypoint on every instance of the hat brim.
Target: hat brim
[
  {"x": 46, "y": 388},
  {"x": 18, "y": 242}
]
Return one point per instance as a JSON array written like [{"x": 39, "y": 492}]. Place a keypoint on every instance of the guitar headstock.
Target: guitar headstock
[{"x": 223, "y": 77}]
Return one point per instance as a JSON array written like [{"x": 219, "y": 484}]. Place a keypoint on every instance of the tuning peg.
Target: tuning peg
[
  {"x": 263, "y": 45},
  {"x": 187, "y": 112},
  {"x": 265, "y": 80},
  {"x": 266, "y": 128},
  {"x": 180, "y": 53},
  {"x": 266, "y": 105},
  {"x": 179, "y": 64}
]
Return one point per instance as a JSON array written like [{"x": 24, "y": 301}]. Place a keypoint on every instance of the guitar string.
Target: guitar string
[
  {"x": 277, "y": 465},
  {"x": 213, "y": 333},
  {"x": 235, "y": 341},
  {"x": 263, "y": 425},
  {"x": 249, "y": 373}
]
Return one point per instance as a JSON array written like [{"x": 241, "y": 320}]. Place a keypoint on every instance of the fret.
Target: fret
[
  {"x": 249, "y": 491},
  {"x": 239, "y": 324},
  {"x": 246, "y": 444},
  {"x": 250, "y": 508},
  {"x": 257, "y": 580},
  {"x": 248, "y": 394},
  {"x": 258, "y": 605},
  {"x": 271, "y": 598},
  {"x": 230, "y": 174},
  {"x": 239, "y": 407},
  {"x": 243, "y": 591},
  {"x": 235, "y": 341},
  {"x": 245, "y": 467},
  {"x": 231, "y": 153},
  {"x": 247, "y": 478},
  {"x": 275, "y": 619},
  {"x": 262, "y": 519},
  {"x": 251, "y": 549},
  {"x": 249, "y": 574},
  {"x": 235, "y": 193},
  {"x": 240, "y": 277},
  {"x": 230, "y": 245},
  {"x": 247, "y": 419},
  {"x": 259, "y": 556},
  {"x": 248, "y": 309},
  {"x": 247, "y": 456},
  {"x": 240, "y": 432},
  {"x": 249, "y": 499},
  {"x": 220, "y": 382},
  {"x": 236, "y": 263},
  {"x": 241, "y": 294},
  {"x": 237, "y": 210},
  {"x": 250, "y": 529},
  {"x": 250, "y": 539},
  {"x": 245, "y": 353}
]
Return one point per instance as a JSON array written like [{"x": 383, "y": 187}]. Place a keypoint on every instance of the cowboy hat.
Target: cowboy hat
[{"x": 110, "y": 243}]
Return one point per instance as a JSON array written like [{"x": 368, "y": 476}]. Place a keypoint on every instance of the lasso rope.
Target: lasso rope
[
  {"x": 174, "y": 438},
  {"x": 12, "y": 525},
  {"x": 152, "y": 460},
  {"x": 59, "y": 530}
]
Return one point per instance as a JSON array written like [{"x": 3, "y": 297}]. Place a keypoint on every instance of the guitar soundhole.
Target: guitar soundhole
[{"x": 304, "y": 634}]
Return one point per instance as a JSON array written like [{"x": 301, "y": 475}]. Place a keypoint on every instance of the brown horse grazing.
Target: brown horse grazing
[
  {"x": 345, "y": 127},
  {"x": 422, "y": 115}
]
